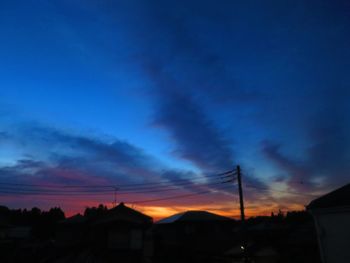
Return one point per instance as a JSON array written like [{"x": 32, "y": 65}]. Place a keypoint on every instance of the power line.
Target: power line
[
  {"x": 171, "y": 197},
  {"x": 149, "y": 200},
  {"x": 9, "y": 190},
  {"x": 172, "y": 186},
  {"x": 138, "y": 186}
]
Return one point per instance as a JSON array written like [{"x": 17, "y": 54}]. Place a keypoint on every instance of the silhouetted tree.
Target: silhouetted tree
[{"x": 95, "y": 212}]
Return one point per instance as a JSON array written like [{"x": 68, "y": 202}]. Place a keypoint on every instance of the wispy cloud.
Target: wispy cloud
[{"x": 70, "y": 159}]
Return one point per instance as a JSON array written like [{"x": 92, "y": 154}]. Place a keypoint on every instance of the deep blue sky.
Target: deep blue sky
[{"x": 126, "y": 91}]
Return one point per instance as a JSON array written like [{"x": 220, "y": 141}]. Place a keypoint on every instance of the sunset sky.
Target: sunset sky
[{"x": 125, "y": 93}]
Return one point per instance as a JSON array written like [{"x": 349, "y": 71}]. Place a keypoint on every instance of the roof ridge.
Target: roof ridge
[{"x": 334, "y": 198}]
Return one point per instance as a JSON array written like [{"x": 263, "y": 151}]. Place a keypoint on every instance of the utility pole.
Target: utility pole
[
  {"x": 241, "y": 202},
  {"x": 239, "y": 179}
]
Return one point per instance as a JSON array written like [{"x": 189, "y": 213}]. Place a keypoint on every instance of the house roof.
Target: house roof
[
  {"x": 193, "y": 216},
  {"x": 337, "y": 198},
  {"x": 123, "y": 213},
  {"x": 76, "y": 219}
]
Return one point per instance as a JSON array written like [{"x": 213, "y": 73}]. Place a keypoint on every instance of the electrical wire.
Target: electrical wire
[
  {"x": 137, "y": 186},
  {"x": 150, "y": 200},
  {"x": 171, "y": 197},
  {"x": 7, "y": 190}
]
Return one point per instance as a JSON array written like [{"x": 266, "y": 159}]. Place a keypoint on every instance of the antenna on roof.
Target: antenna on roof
[{"x": 115, "y": 197}]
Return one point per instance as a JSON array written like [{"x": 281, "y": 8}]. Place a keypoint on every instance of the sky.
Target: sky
[{"x": 169, "y": 94}]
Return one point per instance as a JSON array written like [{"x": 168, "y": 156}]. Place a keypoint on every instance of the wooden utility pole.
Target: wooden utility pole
[
  {"x": 241, "y": 202},
  {"x": 239, "y": 179}
]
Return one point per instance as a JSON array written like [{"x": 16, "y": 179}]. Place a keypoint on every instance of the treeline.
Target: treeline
[
  {"x": 290, "y": 217},
  {"x": 93, "y": 213},
  {"x": 42, "y": 223},
  {"x": 35, "y": 216}
]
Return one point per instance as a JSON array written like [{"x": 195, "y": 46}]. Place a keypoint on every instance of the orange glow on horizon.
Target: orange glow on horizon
[{"x": 162, "y": 210}]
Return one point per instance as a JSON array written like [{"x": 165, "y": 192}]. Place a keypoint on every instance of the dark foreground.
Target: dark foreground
[{"x": 125, "y": 235}]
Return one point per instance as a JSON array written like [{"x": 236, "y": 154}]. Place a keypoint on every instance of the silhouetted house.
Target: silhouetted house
[
  {"x": 72, "y": 231},
  {"x": 18, "y": 233},
  {"x": 13, "y": 237},
  {"x": 195, "y": 233},
  {"x": 331, "y": 213},
  {"x": 4, "y": 229},
  {"x": 121, "y": 229}
]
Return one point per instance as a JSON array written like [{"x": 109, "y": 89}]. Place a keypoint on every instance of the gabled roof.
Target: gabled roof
[
  {"x": 337, "y": 198},
  {"x": 123, "y": 213},
  {"x": 193, "y": 216},
  {"x": 76, "y": 219}
]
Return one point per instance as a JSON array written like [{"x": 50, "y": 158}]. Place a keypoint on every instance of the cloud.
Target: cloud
[
  {"x": 298, "y": 175},
  {"x": 325, "y": 166},
  {"x": 66, "y": 158},
  {"x": 187, "y": 75},
  {"x": 191, "y": 45},
  {"x": 196, "y": 137},
  {"x": 259, "y": 66},
  {"x": 57, "y": 148}
]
